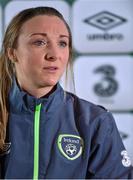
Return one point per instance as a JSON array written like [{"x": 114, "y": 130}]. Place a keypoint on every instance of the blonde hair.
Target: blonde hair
[{"x": 7, "y": 69}]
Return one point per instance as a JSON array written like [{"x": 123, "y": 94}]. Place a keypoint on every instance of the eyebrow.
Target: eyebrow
[{"x": 45, "y": 34}]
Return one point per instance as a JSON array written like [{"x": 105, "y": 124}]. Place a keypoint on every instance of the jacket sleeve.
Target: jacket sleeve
[
  {"x": 108, "y": 158},
  {"x": 0, "y": 171},
  {"x": 1, "y": 166}
]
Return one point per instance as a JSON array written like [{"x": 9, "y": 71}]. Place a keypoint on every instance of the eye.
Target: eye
[
  {"x": 63, "y": 44},
  {"x": 40, "y": 43}
]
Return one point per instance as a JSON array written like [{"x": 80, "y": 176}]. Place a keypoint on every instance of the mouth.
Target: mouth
[{"x": 51, "y": 68}]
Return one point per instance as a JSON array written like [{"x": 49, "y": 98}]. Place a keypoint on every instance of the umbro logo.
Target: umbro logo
[{"x": 105, "y": 20}]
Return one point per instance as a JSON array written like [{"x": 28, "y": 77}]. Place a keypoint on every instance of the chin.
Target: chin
[{"x": 50, "y": 83}]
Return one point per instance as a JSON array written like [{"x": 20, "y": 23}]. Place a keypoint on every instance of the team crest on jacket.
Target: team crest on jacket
[{"x": 70, "y": 146}]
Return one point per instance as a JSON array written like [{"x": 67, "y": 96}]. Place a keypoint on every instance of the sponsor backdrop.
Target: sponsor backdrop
[{"x": 103, "y": 52}]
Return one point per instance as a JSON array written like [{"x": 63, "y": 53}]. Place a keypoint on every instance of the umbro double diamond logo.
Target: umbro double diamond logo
[{"x": 105, "y": 20}]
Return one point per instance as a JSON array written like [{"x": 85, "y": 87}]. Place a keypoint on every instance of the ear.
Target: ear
[{"x": 11, "y": 53}]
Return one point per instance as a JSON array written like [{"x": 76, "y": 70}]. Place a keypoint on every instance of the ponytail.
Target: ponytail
[{"x": 5, "y": 84}]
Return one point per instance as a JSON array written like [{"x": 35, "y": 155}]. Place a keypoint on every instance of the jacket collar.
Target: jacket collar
[{"x": 21, "y": 101}]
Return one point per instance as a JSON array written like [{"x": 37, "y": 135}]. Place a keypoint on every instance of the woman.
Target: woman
[{"x": 44, "y": 131}]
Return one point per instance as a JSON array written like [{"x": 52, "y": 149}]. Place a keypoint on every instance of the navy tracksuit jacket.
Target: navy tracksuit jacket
[{"x": 62, "y": 136}]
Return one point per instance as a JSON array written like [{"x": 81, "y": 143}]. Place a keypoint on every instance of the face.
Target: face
[{"x": 42, "y": 52}]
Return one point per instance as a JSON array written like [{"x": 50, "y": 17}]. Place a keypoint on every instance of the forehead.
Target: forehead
[{"x": 44, "y": 23}]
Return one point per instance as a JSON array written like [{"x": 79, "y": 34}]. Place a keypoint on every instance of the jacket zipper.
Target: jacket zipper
[{"x": 36, "y": 141}]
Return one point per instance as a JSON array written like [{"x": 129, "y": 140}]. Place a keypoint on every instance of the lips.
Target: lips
[{"x": 51, "y": 68}]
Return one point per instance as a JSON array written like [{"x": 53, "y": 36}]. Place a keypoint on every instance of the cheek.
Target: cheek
[
  {"x": 64, "y": 64},
  {"x": 36, "y": 56},
  {"x": 26, "y": 52},
  {"x": 31, "y": 58},
  {"x": 66, "y": 57}
]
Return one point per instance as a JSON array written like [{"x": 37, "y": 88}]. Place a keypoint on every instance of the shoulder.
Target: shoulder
[
  {"x": 91, "y": 113},
  {"x": 84, "y": 105}
]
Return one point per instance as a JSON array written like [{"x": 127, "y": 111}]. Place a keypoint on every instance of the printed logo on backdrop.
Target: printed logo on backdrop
[
  {"x": 70, "y": 146},
  {"x": 105, "y": 21},
  {"x": 108, "y": 85},
  {"x": 123, "y": 135}
]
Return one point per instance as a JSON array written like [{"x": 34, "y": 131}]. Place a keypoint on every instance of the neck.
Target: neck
[
  {"x": 39, "y": 92},
  {"x": 36, "y": 91}
]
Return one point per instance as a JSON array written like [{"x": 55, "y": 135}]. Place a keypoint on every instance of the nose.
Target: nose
[
  {"x": 52, "y": 53},
  {"x": 50, "y": 56}
]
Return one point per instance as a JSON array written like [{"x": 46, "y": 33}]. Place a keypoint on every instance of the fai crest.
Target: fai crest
[{"x": 70, "y": 146}]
